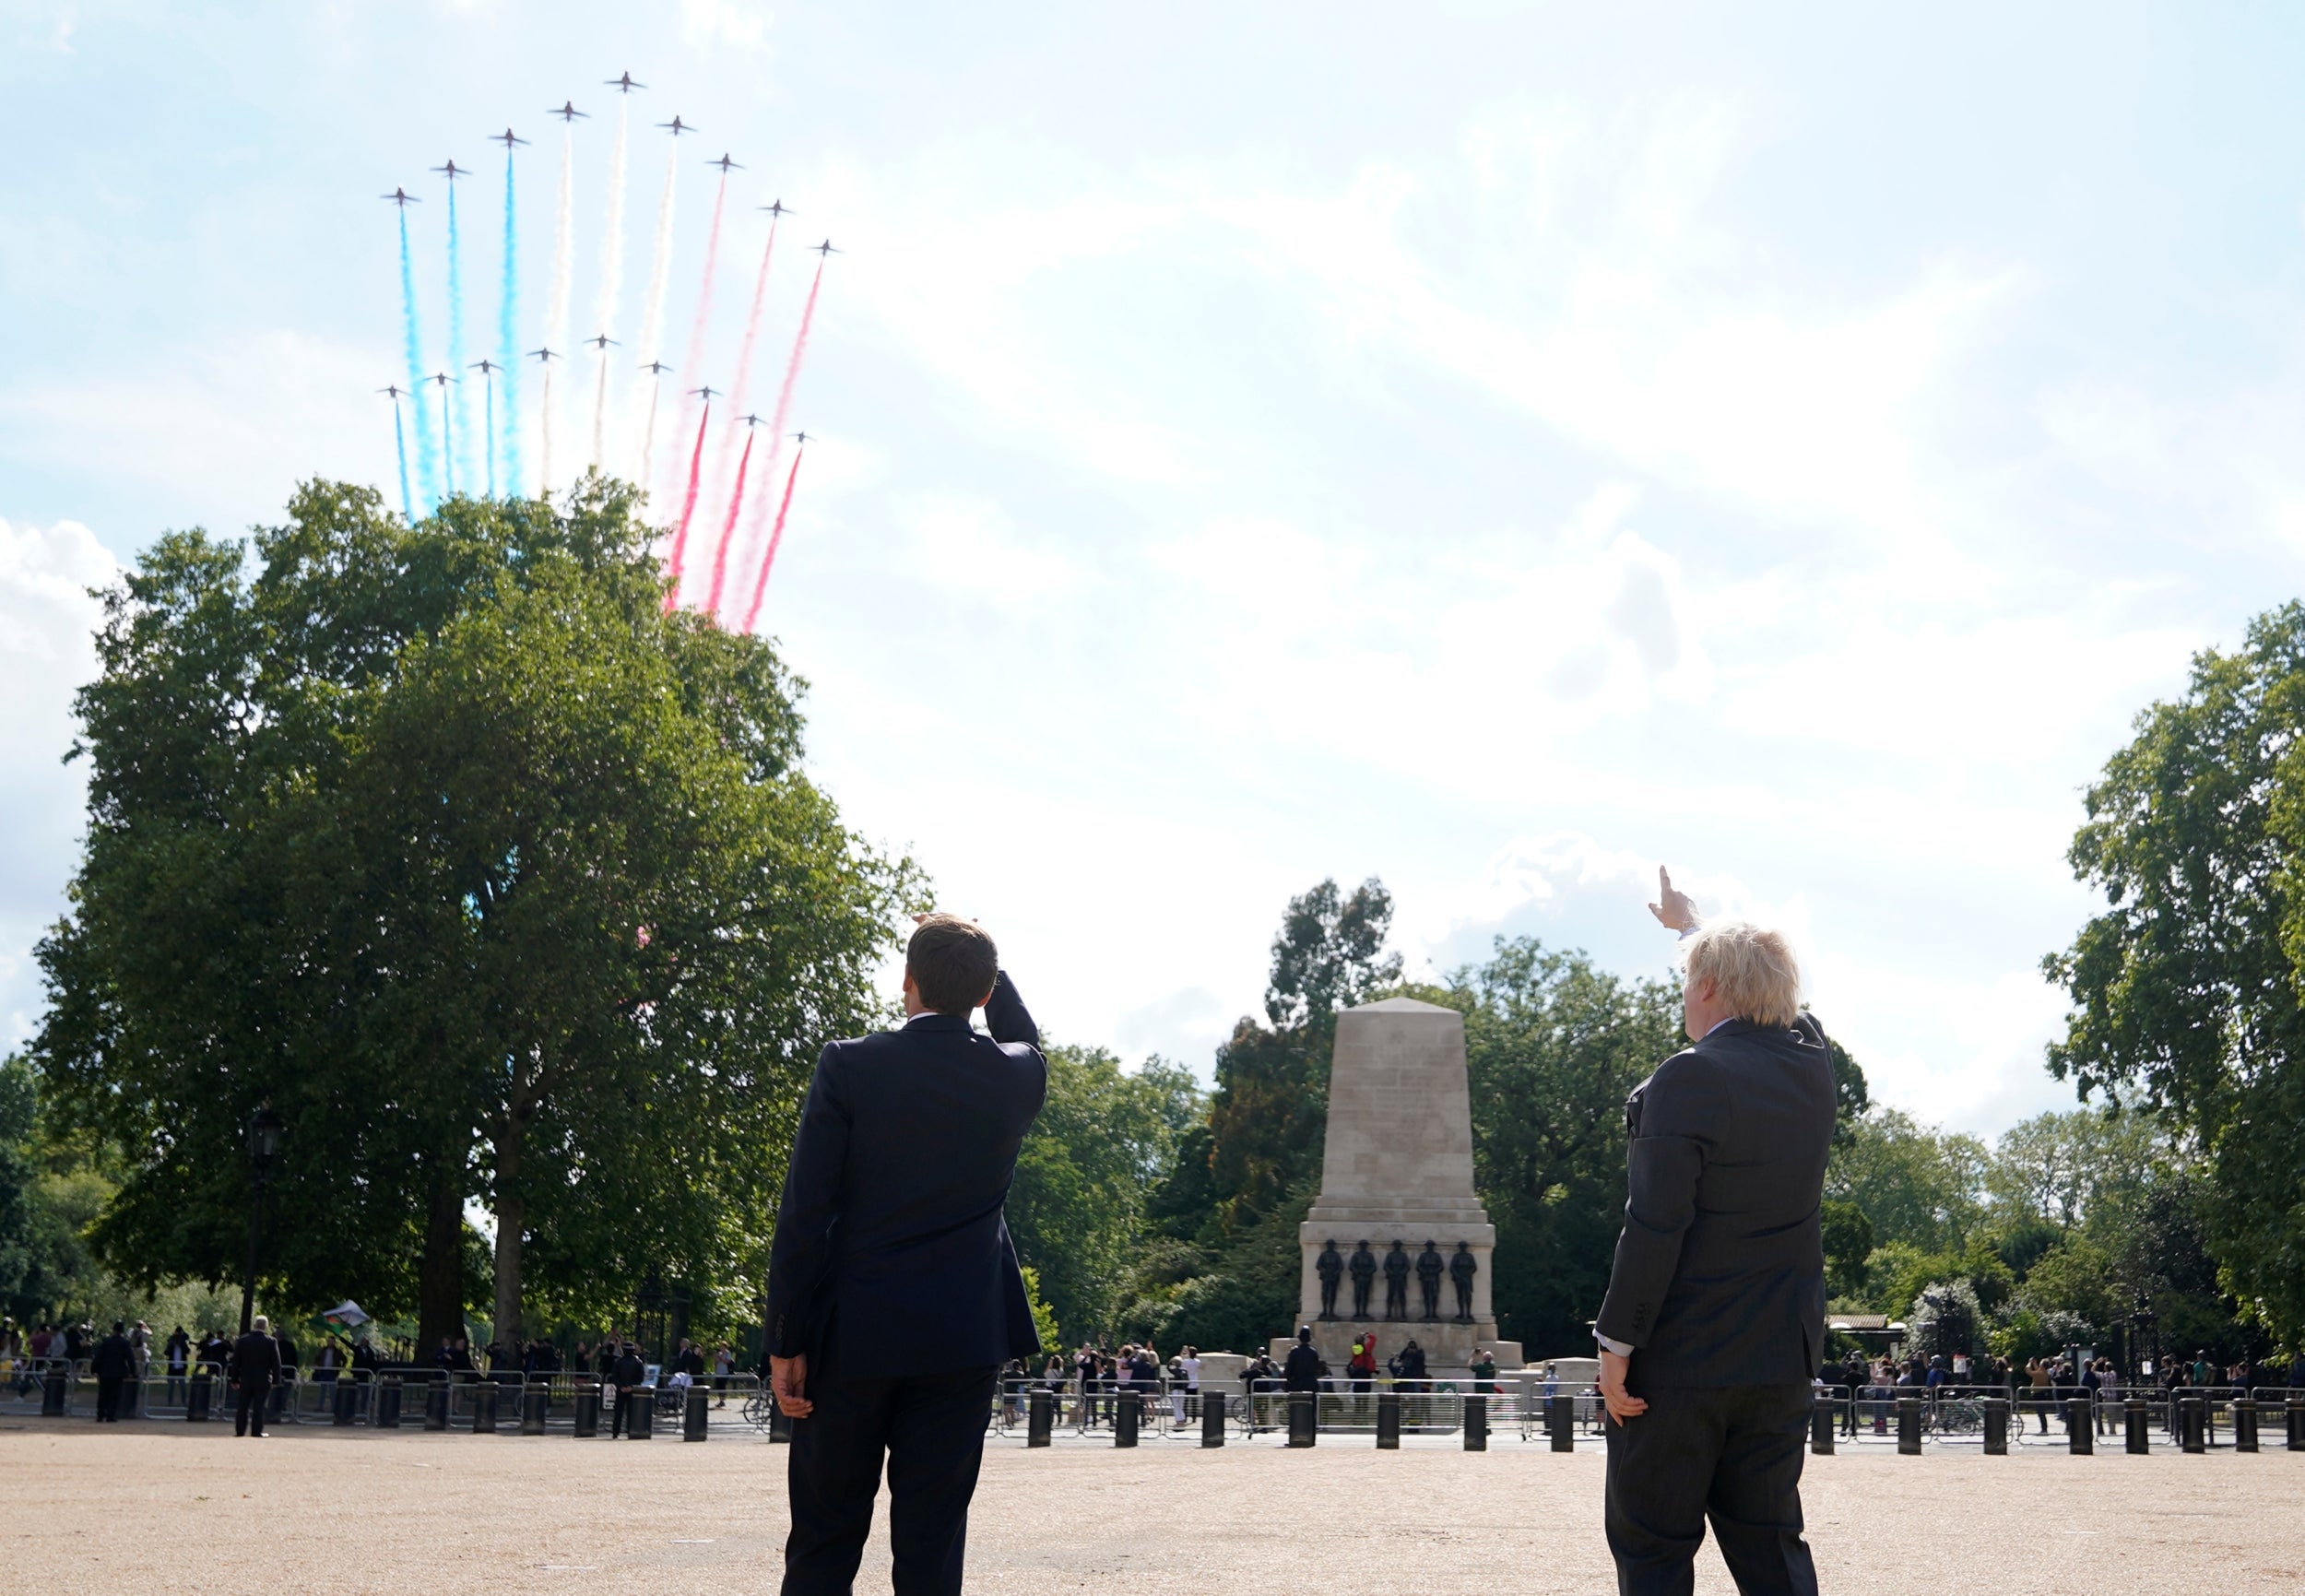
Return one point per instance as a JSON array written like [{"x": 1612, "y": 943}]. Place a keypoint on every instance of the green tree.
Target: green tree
[
  {"x": 1077, "y": 1207},
  {"x": 2186, "y": 991},
  {"x": 498, "y": 881},
  {"x": 1916, "y": 1185}
]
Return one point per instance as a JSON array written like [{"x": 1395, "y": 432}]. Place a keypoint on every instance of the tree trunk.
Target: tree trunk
[
  {"x": 512, "y": 1216},
  {"x": 439, "y": 1271}
]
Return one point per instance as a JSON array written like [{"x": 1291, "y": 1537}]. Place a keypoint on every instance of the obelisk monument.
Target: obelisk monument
[{"x": 1398, "y": 1168}]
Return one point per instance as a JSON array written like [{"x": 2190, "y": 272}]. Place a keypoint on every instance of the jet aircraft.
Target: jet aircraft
[
  {"x": 778, "y": 207},
  {"x": 568, "y": 112},
  {"x": 599, "y": 341},
  {"x": 401, "y": 197},
  {"x": 453, "y": 171},
  {"x": 546, "y": 357},
  {"x": 801, "y": 438},
  {"x": 622, "y": 83},
  {"x": 655, "y": 368},
  {"x": 677, "y": 126},
  {"x": 443, "y": 378},
  {"x": 392, "y": 390},
  {"x": 506, "y": 139},
  {"x": 826, "y": 248},
  {"x": 485, "y": 366},
  {"x": 750, "y": 420},
  {"x": 725, "y": 165},
  {"x": 708, "y": 391}
]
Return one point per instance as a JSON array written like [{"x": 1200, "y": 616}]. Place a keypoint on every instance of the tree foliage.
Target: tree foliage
[
  {"x": 2186, "y": 991},
  {"x": 499, "y": 882}
]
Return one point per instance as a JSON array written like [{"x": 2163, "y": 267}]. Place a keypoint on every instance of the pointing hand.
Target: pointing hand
[{"x": 1675, "y": 911}]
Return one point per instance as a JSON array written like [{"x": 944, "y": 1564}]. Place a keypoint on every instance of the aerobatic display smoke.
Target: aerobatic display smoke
[
  {"x": 556, "y": 317},
  {"x": 688, "y": 508},
  {"x": 728, "y": 530},
  {"x": 508, "y": 338},
  {"x": 456, "y": 333},
  {"x": 611, "y": 269},
  {"x": 719, "y": 524},
  {"x": 659, "y": 276},
  {"x": 400, "y": 448},
  {"x": 776, "y": 536},
  {"x": 412, "y": 348}
]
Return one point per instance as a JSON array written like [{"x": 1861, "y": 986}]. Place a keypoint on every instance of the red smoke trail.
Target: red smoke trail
[
  {"x": 753, "y": 326},
  {"x": 760, "y": 586},
  {"x": 688, "y": 508},
  {"x": 696, "y": 344},
  {"x": 729, "y": 532},
  {"x": 784, "y": 398}
]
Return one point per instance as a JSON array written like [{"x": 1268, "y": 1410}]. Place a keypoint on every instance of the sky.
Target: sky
[{"x": 1498, "y": 449}]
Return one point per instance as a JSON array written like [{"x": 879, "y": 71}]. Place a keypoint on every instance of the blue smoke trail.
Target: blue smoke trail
[
  {"x": 427, "y": 468},
  {"x": 400, "y": 445},
  {"x": 489, "y": 449},
  {"x": 508, "y": 341},
  {"x": 455, "y": 342}
]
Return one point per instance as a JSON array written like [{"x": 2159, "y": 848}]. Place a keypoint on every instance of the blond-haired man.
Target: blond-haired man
[{"x": 1715, "y": 1313}]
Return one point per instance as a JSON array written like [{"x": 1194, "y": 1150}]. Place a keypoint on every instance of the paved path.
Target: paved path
[{"x": 172, "y": 1507}]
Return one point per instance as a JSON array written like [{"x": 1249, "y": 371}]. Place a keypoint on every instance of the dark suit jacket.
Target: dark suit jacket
[
  {"x": 255, "y": 1361},
  {"x": 892, "y": 1252},
  {"x": 1720, "y": 1276}
]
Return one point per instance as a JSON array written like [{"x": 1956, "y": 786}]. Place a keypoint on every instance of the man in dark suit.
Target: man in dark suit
[
  {"x": 255, "y": 1366},
  {"x": 894, "y": 1295},
  {"x": 113, "y": 1363},
  {"x": 1715, "y": 1313}
]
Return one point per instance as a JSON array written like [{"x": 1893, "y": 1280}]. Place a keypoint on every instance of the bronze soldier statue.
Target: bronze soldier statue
[
  {"x": 1396, "y": 1281},
  {"x": 1461, "y": 1269},
  {"x": 1330, "y": 1267},
  {"x": 1364, "y": 1268},
  {"x": 1430, "y": 1266}
]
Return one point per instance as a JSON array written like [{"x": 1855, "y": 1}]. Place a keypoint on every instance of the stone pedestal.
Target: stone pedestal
[{"x": 1398, "y": 1167}]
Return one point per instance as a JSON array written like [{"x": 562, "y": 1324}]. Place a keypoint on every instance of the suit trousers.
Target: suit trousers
[
  {"x": 108, "y": 1398},
  {"x": 249, "y": 1417},
  {"x": 932, "y": 1429},
  {"x": 1729, "y": 1453}
]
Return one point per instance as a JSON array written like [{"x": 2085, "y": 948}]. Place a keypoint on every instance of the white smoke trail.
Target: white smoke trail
[
  {"x": 612, "y": 268},
  {"x": 659, "y": 274},
  {"x": 556, "y": 314}
]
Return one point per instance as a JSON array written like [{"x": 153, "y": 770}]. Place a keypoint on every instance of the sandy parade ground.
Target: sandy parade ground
[{"x": 159, "y": 1507}]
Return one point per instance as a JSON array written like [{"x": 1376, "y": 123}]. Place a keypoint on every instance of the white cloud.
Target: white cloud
[
  {"x": 46, "y": 622},
  {"x": 736, "y": 24}
]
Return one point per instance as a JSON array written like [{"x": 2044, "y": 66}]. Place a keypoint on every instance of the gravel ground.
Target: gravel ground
[{"x": 170, "y": 1508}]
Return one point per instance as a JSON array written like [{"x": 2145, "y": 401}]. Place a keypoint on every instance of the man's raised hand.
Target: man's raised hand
[{"x": 1675, "y": 911}]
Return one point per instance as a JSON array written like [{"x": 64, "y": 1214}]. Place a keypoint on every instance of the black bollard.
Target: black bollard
[
  {"x": 2080, "y": 1427},
  {"x": 1304, "y": 1418},
  {"x": 1477, "y": 1423},
  {"x": 536, "y": 1402},
  {"x": 1387, "y": 1420},
  {"x": 697, "y": 1414},
  {"x": 1040, "y": 1416},
  {"x": 1560, "y": 1422},
  {"x": 1211, "y": 1418},
  {"x": 2297, "y": 1425},
  {"x": 640, "y": 1419},
  {"x": 2137, "y": 1416},
  {"x": 346, "y": 1400},
  {"x": 197, "y": 1395},
  {"x": 2192, "y": 1424},
  {"x": 1996, "y": 1426},
  {"x": 484, "y": 1408},
  {"x": 55, "y": 1392},
  {"x": 1821, "y": 1427},
  {"x": 436, "y": 1405},
  {"x": 1126, "y": 1413},
  {"x": 587, "y": 1410},
  {"x": 388, "y": 1402},
  {"x": 2244, "y": 1423},
  {"x": 1909, "y": 1426}
]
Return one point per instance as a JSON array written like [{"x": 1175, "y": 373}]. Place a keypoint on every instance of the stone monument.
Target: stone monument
[{"x": 1398, "y": 1168}]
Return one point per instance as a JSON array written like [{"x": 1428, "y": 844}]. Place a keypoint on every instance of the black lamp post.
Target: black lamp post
[{"x": 264, "y": 1147}]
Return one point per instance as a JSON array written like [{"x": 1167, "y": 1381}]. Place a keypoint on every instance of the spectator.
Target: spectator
[
  {"x": 1484, "y": 1372},
  {"x": 178, "y": 1354},
  {"x": 1189, "y": 1371},
  {"x": 255, "y": 1364},
  {"x": 115, "y": 1363},
  {"x": 725, "y": 1367}
]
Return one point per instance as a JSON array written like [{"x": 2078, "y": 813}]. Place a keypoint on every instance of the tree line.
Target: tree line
[{"x": 507, "y": 890}]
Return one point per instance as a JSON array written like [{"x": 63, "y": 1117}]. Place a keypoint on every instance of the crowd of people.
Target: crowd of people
[{"x": 2039, "y": 1385}]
